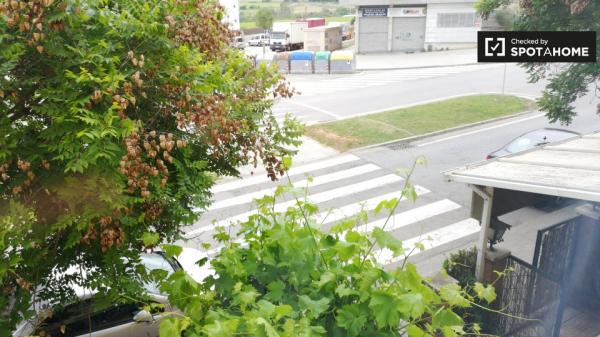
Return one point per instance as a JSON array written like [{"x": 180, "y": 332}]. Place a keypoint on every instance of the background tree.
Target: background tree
[
  {"x": 264, "y": 18},
  {"x": 115, "y": 118},
  {"x": 570, "y": 81}
]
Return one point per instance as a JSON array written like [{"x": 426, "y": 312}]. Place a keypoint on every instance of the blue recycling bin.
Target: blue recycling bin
[{"x": 301, "y": 62}]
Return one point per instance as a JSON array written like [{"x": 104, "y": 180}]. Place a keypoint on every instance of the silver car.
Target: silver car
[{"x": 119, "y": 319}]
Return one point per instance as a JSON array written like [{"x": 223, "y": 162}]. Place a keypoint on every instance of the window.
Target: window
[
  {"x": 79, "y": 319},
  {"x": 454, "y": 20}
]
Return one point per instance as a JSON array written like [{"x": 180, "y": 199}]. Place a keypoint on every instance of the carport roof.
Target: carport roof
[{"x": 568, "y": 169}]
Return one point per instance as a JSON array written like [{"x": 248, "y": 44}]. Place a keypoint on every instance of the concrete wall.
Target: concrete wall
[{"x": 450, "y": 37}]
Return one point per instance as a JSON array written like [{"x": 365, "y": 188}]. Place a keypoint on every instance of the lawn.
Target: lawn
[
  {"x": 338, "y": 19},
  {"x": 396, "y": 124}
]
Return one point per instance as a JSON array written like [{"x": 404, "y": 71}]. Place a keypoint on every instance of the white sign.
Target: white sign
[{"x": 407, "y": 11}]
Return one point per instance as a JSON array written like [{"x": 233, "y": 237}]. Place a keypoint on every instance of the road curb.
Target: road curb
[
  {"x": 412, "y": 139},
  {"x": 419, "y": 67}
]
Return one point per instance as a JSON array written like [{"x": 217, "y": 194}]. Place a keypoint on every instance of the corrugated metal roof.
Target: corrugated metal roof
[{"x": 568, "y": 169}]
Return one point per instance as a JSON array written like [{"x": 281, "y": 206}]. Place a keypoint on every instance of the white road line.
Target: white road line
[
  {"x": 314, "y": 166},
  {"x": 433, "y": 239},
  {"x": 334, "y": 115},
  {"x": 315, "y": 198},
  {"x": 411, "y": 216},
  {"x": 368, "y": 205},
  {"x": 481, "y": 130},
  {"x": 319, "y": 180}
]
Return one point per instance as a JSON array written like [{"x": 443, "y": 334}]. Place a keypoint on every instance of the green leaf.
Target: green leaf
[
  {"x": 266, "y": 308},
  {"x": 283, "y": 310},
  {"x": 385, "y": 307},
  {"x": 343, "y": 290},
  {"x": 446, "y": 318},
  {"x": 172, "y": 250},
  {"x": 487, "y": 293},
  {"x": 452, "y": 294},
  {"x": 352, "y": 319},
  {"x": 150, "y": 239},
  {"x": 415, "y": 331},
  {"x": 326, "y": 277},
  {"x": 315, "y": 308},
  {"x": 276, "y": 290},
  {"x": 173, "y": 327},
  {"x": 412, "y": 305},
  {"x": 269, "y": 330},
  {"x": 219, "y": 328},
  {"x": 386, "y": 240}
]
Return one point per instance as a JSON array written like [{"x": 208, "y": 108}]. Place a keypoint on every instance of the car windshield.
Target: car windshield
[{"x": 521, "y": 144}]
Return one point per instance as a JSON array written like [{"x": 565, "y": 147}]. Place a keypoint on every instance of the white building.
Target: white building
[
  {"x": 414, "y": 25},
  {"x": 232, "y": 13}
]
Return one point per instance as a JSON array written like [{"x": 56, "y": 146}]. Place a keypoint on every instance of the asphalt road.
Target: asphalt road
[
  {"x": 387, "y": 89},
  {"x": 445, "y": 152},
  {"x": 440, "y": 218}
]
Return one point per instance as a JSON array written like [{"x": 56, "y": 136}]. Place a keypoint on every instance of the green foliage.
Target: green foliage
[
  {"x": 573, "y": 80},
  {"x": 115, "y": 118},
  {"x": 264, "y": 18},
  {"x": 292, "y": 277},
  {"x": 461, "y": 266}
]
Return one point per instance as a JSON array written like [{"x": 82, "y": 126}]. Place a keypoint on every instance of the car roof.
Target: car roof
[{"x": 551, "y": 133}]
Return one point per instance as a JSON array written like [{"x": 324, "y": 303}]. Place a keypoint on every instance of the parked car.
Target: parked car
[
  {"x": 259, "y": 40},
  {"x": 533, "y": 139},
  {"x": 238, "y": 42},
  {"x": 82, "y": 318}
]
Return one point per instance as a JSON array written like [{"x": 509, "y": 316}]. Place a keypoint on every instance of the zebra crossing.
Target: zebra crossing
[
  {"x": 307, "y": 86},
  {"x": 342, "y": 186}
]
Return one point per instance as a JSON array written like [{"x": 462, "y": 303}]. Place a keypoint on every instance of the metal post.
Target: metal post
[
  {"x": 390, "y": 29},
  {"x": 486, "y": 216},
  {"x": 504, "y": 79},
  {"x": 356, "y": 30}
]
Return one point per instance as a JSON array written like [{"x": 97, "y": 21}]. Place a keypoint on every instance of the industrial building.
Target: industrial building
[{"x": 414, "y": 25}]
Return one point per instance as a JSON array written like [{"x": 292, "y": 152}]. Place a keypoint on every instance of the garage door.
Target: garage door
[
  {"x": 373, "y": 34},
  {"x": 408, "y": 34}
]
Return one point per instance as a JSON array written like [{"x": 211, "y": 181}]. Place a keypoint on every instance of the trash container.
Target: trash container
[
  {"x": 283, "y": 62},
  {"x": 342, "y": 61},
  {"x": 301, "y": 62},
  {"x": 322, "y": 62}
]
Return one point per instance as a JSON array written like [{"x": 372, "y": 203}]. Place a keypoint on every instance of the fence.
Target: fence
[{"x": 529, "y": 301}]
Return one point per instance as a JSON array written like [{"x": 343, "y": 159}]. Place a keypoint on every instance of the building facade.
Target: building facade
[
  {"x": 414, "y": 25},
  {"x": 232, "y": 13}
]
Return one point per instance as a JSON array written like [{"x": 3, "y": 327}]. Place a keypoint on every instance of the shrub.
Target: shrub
[
  {"x": 293, "y": 277},
  {"x": 461, "y": 266}
]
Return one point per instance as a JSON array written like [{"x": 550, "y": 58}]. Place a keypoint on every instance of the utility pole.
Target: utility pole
[{"x": 504, "y": 79}]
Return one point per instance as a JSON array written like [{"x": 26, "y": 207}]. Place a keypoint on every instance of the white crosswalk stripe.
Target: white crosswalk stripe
[
  {"x": 378, "y": 78},
  {"x": 331, "y": 177},
  {"x": 346, "y": 184},
  {"x": 249, "y": 181},
  {"x": 432, "y": 239}
]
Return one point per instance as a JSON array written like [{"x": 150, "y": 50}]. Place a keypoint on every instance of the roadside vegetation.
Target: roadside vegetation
[
  {"x": 250, "y": 12},
  {"x": 417, "y": 120}
]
